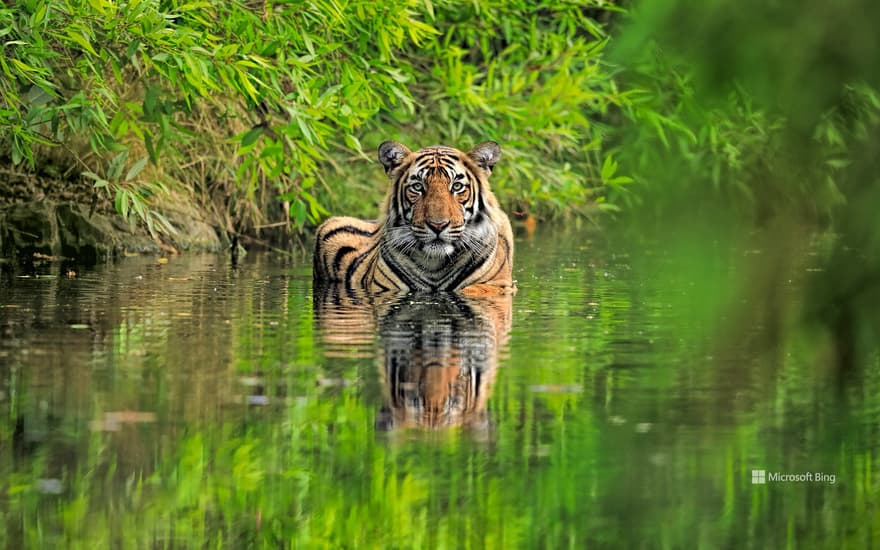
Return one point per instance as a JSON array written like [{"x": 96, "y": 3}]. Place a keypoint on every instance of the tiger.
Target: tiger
[{"x": 440, "y": 229}]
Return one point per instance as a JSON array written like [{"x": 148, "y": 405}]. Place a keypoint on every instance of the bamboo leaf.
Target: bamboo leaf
[
  {"x": 136, "y": 169},
  {"x": 79, "y": 37},
  {"x": 298, "y": 212},
  {"x": 251, "y": 136}
]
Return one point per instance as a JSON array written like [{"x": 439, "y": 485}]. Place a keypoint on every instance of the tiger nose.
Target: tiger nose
[{"x": 437, "y": 225}]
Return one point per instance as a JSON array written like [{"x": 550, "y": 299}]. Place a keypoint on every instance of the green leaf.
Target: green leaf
[
  {"x": 17, "y": 154},
  {"x": 151, "y": 150},
  {"x": 132, "y": 48},
  {"x": 122, "y": 202},
  {"x": 78, "y": 36},
  {"x": 136, "y": 169},
  {"x": 353, "y": 143},
  {"x": 165, "y": 225},
  {"x": 298, "y": 212},
  {"x": 609, "y": 167},
  {"x": 117, "y": 164},
  {"x": 251, "y": 136}
]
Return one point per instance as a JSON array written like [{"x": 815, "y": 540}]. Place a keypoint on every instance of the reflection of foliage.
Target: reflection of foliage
[{"x": 611, "y": 428}]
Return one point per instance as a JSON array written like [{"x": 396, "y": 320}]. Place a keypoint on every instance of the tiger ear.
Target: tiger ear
[
  {"x": 391, "y": 155},
  {"x": 486, "y": 155}
]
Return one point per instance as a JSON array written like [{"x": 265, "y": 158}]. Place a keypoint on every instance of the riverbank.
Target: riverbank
[{"x": 42, "y": 214}]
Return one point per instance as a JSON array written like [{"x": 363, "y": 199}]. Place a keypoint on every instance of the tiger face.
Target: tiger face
[{"x": 437, "y": 209}]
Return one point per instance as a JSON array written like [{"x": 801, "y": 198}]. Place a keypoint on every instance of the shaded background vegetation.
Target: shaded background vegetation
[
  {"x": 770, "y": 104},
  {"x": 774, "y": 111}
]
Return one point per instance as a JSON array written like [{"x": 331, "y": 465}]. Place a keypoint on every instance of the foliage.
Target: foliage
[
  {"x": 747, "y": 121},
  {"x": 796, "y": 89},
  {"x": 267, "y": 113},
  {"x": 531, "y": 76},
  {"x": 262, "y": 111}
]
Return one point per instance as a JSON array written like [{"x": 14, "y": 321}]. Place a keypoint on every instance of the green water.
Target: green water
[{"x": 621, "y": 399}]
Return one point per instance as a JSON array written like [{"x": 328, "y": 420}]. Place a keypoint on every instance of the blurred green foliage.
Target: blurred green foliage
[
  {"x": 261, "y": 111},
  {"x": 757, "y": 107},
  {"x": 765, "y": 112}
]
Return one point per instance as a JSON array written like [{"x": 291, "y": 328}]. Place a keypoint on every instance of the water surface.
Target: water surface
[{"x": 623, "y": 398}]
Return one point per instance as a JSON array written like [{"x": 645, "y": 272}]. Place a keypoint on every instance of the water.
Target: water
[{"x": 621, "y": 399}]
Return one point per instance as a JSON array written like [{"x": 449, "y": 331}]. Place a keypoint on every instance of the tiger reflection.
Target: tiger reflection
[{"x": 437, "y": 353}]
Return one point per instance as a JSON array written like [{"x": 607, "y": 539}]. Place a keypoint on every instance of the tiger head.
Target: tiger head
[{"x": 440, "y": 204}]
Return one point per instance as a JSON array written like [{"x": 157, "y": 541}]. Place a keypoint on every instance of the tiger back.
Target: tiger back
[{"x": 441, "y": 228}]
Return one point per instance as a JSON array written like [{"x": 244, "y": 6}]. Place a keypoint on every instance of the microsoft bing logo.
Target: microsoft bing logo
[{"x": 762, "y": 477}]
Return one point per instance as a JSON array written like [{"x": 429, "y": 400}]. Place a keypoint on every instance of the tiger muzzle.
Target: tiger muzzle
[{"x": 437, "y": 226}]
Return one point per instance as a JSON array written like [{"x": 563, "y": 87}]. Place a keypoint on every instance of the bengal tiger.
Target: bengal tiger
[{"x": 441, "y": 228}]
